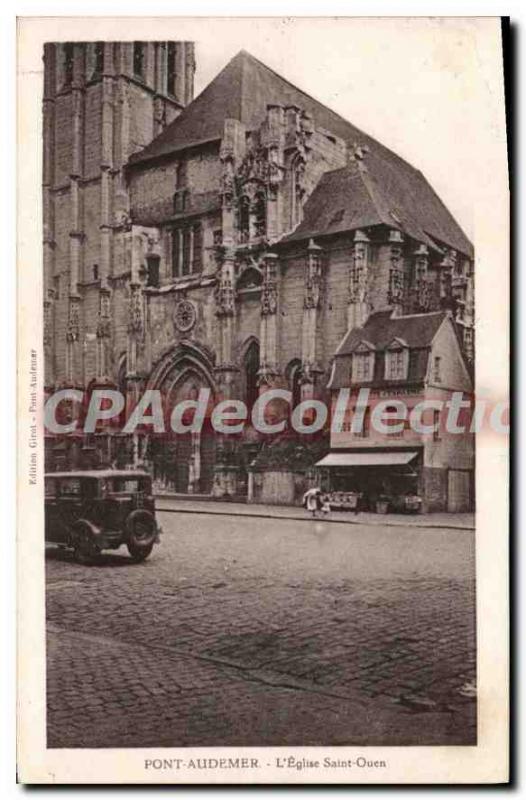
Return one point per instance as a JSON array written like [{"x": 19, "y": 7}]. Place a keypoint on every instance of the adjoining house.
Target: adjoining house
[{"x": 400, "y": 362}]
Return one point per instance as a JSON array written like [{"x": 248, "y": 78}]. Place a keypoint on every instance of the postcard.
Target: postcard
[{"x": 263, "y": 418}]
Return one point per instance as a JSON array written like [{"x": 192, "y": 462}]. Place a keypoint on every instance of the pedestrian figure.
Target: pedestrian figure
[
  {"x": 325, "y": 505},
  {"x": 311, "y": 500}
]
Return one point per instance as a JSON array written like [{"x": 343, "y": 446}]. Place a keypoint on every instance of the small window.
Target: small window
[
  {"x": 95, "y": 272},
  {"x": 153, "y": 264},
  {"x": 180, "y": 201},
  {"x": 138, "y": 59},
  {"x": 56, "y": 287},
  {"x": 436, "y": 425},
  {"x": 436, "y": 369},
  {"x": 393, "y": 424},
  {"x": 365, "y": 430}
]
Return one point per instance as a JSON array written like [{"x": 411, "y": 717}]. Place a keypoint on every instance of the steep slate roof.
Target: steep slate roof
[
  {"x": 242, "y": 91},
  {"x": 416, "y": 330}
]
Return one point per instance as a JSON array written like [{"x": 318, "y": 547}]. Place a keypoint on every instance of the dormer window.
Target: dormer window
[
  {"x": 396, "y": 361},
  {"x": 363, "y": 363}
]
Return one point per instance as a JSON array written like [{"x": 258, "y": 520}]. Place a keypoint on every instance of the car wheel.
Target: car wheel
[
  {"x": 85, "y": 549},
  {"x": 139, "y": 553},
  {"x": 142, "y": 532}
]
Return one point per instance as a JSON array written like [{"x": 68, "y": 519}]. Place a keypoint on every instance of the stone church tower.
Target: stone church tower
[{"x": 103, "y": 102}]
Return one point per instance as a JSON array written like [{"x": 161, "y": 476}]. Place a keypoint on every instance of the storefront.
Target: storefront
[{"x": 373, "y": 480}]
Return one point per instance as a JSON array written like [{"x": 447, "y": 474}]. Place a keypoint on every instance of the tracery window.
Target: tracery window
[
  {"x": 251, "y": 369},
  {"x": 187, "y": 249}
]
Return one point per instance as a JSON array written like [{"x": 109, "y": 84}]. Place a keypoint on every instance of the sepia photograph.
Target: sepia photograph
[{"x": 258, "y": 410}]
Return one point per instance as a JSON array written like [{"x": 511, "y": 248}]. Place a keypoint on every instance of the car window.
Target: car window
[
  {"x": 70, "y": 487},
  {"x": 124, "y": 486},
  {"x": 91, "y": 487}
]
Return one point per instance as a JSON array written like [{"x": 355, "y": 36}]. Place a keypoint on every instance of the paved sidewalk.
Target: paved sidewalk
[{"x": 170, "y": 503}]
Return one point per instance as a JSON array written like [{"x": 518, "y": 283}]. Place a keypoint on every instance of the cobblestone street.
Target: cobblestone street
[{"x": 246, "y": 631}]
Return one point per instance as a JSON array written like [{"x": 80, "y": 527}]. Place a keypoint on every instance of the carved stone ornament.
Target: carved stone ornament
[
  {"x": 358, "y": 272},
  {"x": 313, "y": 279},
  {"x": 225, "y": 298},
  {"x": 136, "y": 315},
  {"x": 269, "y": 295},
  {"x": 72, "y": 332},
  {"x": 185, "y": 316},
  {"x": 104, "y": 321},
  {"x": 48, "y": 307}
]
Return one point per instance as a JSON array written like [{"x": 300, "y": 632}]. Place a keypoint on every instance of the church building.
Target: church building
[{"x": 227, "y": 242}]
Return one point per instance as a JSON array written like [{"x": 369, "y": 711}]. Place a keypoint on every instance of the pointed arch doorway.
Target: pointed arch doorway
[{"x": 184, "y": 462}]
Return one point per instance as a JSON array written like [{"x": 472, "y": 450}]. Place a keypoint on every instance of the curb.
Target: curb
[{"x": 259, "y": 515}]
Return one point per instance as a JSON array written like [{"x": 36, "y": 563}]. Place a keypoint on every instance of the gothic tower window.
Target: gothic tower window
[
  {"x": 181, "y": 191},
  {"x": 187, "y": 249},
  {"x": 244, "y": 219},
  {"x": 187, "y": 243},
  {"x": 138, "y": 59},
  {"x": 251, "y": 368},
  {"x": 260, "y": 214},
  {"x": 294, "y": 372},
  {"x": 153, "y": 277},
  {"x": 171, "y": 68},
  {"x": 197, "y": 255},
  {"x": 98, "y": 60},
  {"x": 69, "y": 53}
]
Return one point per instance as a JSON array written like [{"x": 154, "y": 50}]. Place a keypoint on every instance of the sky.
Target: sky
[{"x": 410, "y": 83}]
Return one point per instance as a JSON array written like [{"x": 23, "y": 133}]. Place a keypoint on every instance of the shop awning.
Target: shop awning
[{"x": 384, "y": 458}]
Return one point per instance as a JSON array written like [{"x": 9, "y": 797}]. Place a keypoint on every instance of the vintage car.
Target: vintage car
[{"x": 99, "y": 510}]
